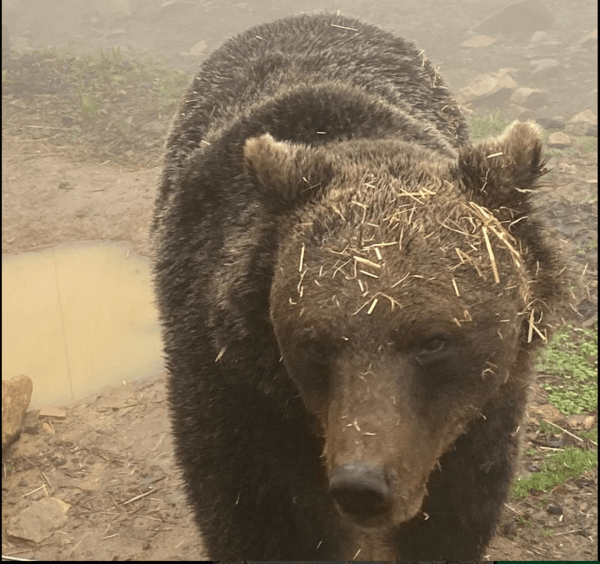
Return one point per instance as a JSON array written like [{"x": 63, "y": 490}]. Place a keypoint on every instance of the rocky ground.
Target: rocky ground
[{"x": 100, "y": 482}]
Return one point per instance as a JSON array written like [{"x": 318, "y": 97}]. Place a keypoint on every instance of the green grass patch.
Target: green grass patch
[
  {"x": 589, "y": 144},
  {"x": 570, "y": 362},
  {"x": 556, "y": 469},
  {"x": 493, "y": 124},
  {"x": 107, "y": 104},
  {"x": 547, "y": 427},
  {"x": 591, "y": 435}
]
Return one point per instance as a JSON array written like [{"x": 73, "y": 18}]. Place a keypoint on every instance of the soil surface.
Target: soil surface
[{"x": 110, "y": 459}]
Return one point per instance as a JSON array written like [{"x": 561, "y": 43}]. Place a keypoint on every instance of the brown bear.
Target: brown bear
[{"x": 351, "y": 296}]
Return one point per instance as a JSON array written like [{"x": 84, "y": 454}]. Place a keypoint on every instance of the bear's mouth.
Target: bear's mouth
[{"x": 388, "y": 520}]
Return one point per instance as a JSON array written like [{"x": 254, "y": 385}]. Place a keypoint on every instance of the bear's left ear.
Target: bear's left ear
[
  {"x": 501, "y": 172},
  {"x": 287, "y": 173}
]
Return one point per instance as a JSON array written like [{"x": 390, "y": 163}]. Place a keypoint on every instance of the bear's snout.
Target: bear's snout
[{"x": 361, "y": 491}]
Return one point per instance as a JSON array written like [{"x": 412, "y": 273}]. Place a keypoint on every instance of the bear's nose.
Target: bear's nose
[{"x": 361, "y": 490}]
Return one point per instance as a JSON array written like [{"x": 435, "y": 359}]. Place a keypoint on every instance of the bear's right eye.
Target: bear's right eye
[
  {"x": 431, "y": 350},
  {"x": 432, "y": 346}
]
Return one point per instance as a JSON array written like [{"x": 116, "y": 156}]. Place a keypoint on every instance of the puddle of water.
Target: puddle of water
[{"x": 76, "y": 318}]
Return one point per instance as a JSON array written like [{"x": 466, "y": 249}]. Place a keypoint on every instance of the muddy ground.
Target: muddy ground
[{"x": 110, "y": 459}]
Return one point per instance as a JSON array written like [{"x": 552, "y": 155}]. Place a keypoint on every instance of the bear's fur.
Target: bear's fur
[{"x": 351, "y": 296}]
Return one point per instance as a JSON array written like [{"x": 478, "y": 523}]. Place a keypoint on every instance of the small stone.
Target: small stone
[
  {"x": 558, "y": 140},
  {"x": 37, "y": 522},
  {"x": 589, "y": 40},
  {"x": 530, "y": 98},
  {"x": 478, "y": 41},
  {"x": 58, "y": 412},
  {"x": 199, "y": 49},
  {"x": 550, "y": 123},
  {"x": 586, "y": 116},
  {"x": 16, "y": 395}
]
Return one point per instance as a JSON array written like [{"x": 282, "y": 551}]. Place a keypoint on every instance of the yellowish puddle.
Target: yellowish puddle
[{"x": 76, "y": 318}]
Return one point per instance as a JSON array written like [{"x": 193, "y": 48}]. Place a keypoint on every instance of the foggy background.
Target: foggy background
[
  {"x": 184, "y": 31},
  {"x": 89, "y": 88}
]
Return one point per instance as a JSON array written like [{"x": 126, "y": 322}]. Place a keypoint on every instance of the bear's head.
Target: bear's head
[{"x": 408, "y": 292}]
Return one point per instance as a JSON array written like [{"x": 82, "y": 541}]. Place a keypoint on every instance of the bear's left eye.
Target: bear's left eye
[
  {"x": 431, "y": 349},
  {"x": 433, "y": 345}
]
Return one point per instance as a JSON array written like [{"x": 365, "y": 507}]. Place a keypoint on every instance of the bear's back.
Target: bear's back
[{"x": 268, "y": 59}]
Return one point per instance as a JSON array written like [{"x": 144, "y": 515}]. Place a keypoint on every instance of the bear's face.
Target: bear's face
[
  {"x": 398, "y": 302},
  {"x": 395, "y": 351},
  {"x": 393, "y": 395}
]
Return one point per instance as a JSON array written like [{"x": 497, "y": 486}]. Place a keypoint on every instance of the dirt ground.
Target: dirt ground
[{"x": 110, "y": 459}]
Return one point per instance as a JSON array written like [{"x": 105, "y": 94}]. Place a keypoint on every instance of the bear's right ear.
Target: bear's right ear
[
  {"x": 501, "y": 172},
  {"x": 287, "y": 173}
]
